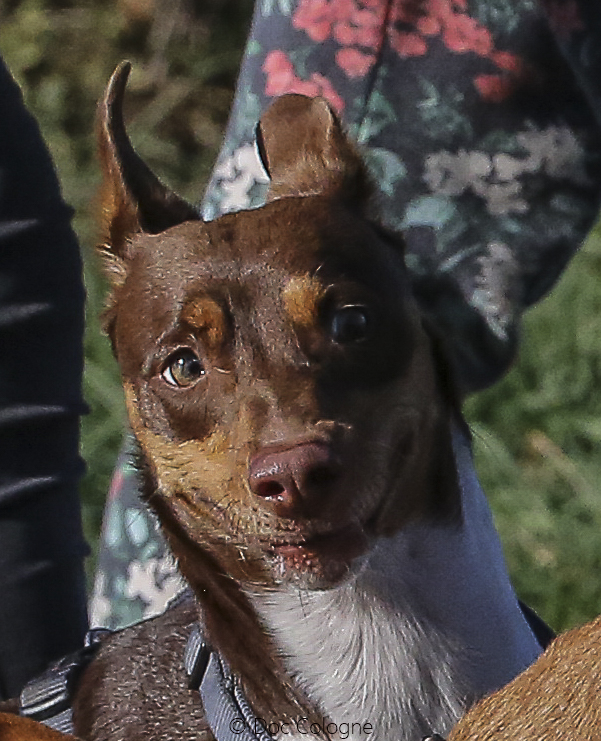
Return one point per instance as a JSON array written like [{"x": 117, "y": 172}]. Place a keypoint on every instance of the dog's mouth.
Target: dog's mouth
[
  {"x": 343, "y": 545},
  {"x": 326, "y": 556}
]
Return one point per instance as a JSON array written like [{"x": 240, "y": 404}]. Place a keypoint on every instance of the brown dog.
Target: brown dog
[{"x": 303, "y": 448}]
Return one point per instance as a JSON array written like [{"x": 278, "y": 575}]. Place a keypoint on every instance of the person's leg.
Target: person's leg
[{"x": 42, "y": 590}]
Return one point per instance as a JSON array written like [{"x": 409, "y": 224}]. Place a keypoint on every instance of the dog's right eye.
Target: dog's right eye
[
  {"x": 183, "y": 369},
  {"x": 350, "y": 324}
]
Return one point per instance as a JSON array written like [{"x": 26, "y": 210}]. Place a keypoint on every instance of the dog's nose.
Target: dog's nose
[{"x": 293, "y": 479}]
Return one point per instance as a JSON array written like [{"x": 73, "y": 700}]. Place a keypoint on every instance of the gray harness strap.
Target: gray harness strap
[
  {"x": 228, "y": 714},
  {"x": 47, "y": 698}
]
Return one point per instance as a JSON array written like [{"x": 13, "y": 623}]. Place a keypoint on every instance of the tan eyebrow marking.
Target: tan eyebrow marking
[
  {"x": 204, "y": 314},
  {"x": 301, "y": 298}
]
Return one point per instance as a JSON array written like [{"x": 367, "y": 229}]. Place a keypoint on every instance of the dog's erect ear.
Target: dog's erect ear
[
  {"x": 132, "y": 198},
  {"x": 305, "y": 152}
]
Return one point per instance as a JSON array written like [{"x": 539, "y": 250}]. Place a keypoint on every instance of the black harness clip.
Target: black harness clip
[{"x": 47, "y": 698}]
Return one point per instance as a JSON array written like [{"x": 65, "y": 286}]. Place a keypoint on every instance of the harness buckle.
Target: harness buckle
[
  {"x": 196, "y": 657},
  {"x": 47, "y": 698}
]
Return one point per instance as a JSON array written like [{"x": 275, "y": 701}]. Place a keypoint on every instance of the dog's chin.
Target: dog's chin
[{"x": 320, "y": 562}]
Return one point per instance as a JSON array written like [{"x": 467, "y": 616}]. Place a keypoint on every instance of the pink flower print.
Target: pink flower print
[
  {"x": 408, "y": 44},
  {"x": 462, "y": 33},
  {"x": 509, "y": 62},
  {"x": 315, "y": 18},
  {"x": 345, "y": 34},
  {"x": 280, "y": 73},
  {"x": 494, "y": 88},
  {"x": 428, "y": 25},
  {"x": 116, "y": 484},
  {"x": 326, "y": 90},
  {"x": 379, "y": 5},
  {"x": 281, "y": 79},
  {"x": 358, "y": 25},
  {"x": 354, "y": 62}
]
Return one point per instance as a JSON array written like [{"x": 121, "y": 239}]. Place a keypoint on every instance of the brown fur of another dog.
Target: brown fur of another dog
[
  {"x": 13, "y": 728},
  {"x": 556, "y": 699}
]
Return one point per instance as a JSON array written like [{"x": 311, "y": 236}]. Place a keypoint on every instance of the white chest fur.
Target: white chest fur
[{"x": 430, "y": 624}]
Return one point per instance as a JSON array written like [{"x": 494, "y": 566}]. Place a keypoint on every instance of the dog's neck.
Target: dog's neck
[{"x": 430, "y": 624}]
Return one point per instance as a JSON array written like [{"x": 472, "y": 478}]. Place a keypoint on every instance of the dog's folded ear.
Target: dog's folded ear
[
  {"x": 133, "y": 199},
  {"x": 305, "y": 152}
]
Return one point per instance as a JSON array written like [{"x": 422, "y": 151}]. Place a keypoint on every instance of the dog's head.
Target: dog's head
[{"x": 286, "y": 397}]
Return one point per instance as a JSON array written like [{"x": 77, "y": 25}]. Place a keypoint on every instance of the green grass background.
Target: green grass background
[{"x": 537, "y": 433}]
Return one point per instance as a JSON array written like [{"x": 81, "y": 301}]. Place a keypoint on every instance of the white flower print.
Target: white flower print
[
  {"x": 554, "y": 151},
  {"x": 236, "y": 175},
  {"x": 155, "y": 581}
]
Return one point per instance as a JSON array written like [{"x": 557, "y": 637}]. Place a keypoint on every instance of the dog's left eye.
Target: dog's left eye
[
  {"x": 183, "y": 369},
  {"x": 350, "y": 324}
]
